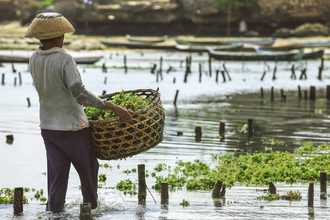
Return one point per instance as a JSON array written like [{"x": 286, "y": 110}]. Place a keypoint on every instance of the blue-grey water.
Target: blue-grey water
[{"x": 205, "y": 104}]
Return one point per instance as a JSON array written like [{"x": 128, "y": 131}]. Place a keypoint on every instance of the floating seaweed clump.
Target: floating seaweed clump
[
  {"x": 291, "y": 196},
  {"x": 304, "y": 165}
]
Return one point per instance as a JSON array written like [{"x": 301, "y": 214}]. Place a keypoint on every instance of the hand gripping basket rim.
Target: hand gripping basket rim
[{"x": 114, "y": 139}]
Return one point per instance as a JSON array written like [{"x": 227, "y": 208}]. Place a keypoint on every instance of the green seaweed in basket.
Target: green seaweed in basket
[{"x": 129, "y": 101}]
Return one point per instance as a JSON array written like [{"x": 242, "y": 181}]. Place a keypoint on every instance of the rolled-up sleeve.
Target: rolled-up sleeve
[{"x": 74, "y": 83}]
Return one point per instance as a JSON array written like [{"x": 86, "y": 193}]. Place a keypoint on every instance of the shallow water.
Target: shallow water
[{"x": 23, "y": 163}]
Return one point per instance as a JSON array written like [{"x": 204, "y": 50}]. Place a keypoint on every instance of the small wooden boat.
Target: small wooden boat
[
  {"x": 37, "y": 42},
  {"x": 136, "y": 45},
  {"x": 267, "y": 41},
  {"x": 205, "y": 48},
  {"x": 148, "y": 40},
  {"x": 282, "y": 47},
  {"x": 7, "y": 58},
  {"x": 265, "y": 55},
  {"x": 312, "y": 43},
  {"x": 210, "y": 42}
]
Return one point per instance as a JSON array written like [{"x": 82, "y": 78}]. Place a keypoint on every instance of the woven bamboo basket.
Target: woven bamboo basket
[{"x": 114, "y": 139}]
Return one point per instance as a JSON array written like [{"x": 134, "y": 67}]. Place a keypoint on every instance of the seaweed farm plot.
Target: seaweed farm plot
[{"x": 259, "y": 131}]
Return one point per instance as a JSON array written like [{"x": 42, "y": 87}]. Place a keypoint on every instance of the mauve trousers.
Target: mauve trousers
[{"x": 64, "y": 148}]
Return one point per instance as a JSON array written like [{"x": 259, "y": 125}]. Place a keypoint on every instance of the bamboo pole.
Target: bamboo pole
[
  {"x": 28, "y": 101},
  {"x": 198, "y": 133},
  {"x": 272, "y": 188},
  {"x": 85, "y": 211},
  {"x": 250, "y": 128},
  {"x": 222, "y": 130},
  {"x": 18, "y": 200},
  {"x": 142, "y": 194},
  {"x": 312, "y": 95},
  {"x": 311, "y": 199},
  {"x": 323, "y": 185},
  {"x": 3, "y": 79},
  {"x": 164, "y": 194},
  {"x": 19, "y": 78}
]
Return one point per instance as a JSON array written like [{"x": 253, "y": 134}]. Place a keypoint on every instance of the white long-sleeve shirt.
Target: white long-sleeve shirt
[{"x": 62, "y": 94}]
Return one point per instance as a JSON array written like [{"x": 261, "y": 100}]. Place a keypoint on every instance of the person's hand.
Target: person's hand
[{"x": 123, "y": 113}]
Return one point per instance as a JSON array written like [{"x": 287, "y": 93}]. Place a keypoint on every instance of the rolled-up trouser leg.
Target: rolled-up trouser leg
[{"x": 58, "y": 167}]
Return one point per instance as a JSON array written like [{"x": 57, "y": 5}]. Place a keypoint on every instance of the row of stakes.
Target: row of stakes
[
  {"x": 218, "y": 192},
  {"x": 198, "y": 129},
  {"x": 188, "y": 62},
  {"x": 224, "y": 72},
  {"x": 312, "y": 94}
]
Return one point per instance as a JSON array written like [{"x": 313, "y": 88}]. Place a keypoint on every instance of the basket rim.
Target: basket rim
[{"x": 116, "y": 118}]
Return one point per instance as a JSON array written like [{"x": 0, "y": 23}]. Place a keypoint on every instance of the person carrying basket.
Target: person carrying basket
[{"x": 64, "y": 126}]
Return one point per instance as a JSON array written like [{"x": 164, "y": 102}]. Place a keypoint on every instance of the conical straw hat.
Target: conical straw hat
[{"x": 49, "y": 25}]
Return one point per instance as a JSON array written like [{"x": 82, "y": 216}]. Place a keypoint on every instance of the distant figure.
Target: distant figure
[
  {"x": 242, "y": 27},
  {"x": 88, "y": 2}
]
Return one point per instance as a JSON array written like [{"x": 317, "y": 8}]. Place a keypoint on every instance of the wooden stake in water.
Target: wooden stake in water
[
  {"x": 216, "y": 76},
  {"x": 299, "y": 92},
  {"x": 311, "y": 199},
  {"x": 216, "y": 189},
  {"x": 174, "y": 80},
  {"x": 3, "y": 79},
  {"x": 272, "y": 188},
  {"x": 170, "y": 68},
  {"x": 164, "y": 194},
  {"x": 19, "y": 78},
  {"x": 272, "y": 94},
  {"x": 200, "y": 72},
  {"x": 319, "y": 77},
  {"x": 125, "y": 63},
  {"x": 283, "y": 96},
  {"x": 305, "y": 94},
  {"x": 293, "y": 73},
  {"x": 303, "y": 74},
  {"x": 328, "y": 92},
  {"x": 85, "y": 211},
  {"x": 18, "y": 200},
  {"x": 219, "y": 190},
  {"x": 161, "y": 65},
  {"x": 274, "y": 73},
  {"x": 223, "y": 75},
  {"x": 262, "y": 92},
  {"x": 104, "y": 92},
  {"x": 176, "y": 97},
  {"x": 142, "y": 194},
  {"x": 312, "y": 95},
  {"x": 15, "y": 81},
  {"x": 222, "y": 129},
  {"x": 323, "y": 185},
  {"x": 13, "y": 68},
  {"x": 28, "y": 101},
  {"x": 153, "y": 68},
  {"x": 9, "y": 139},
  {"x": 105, "y": 80},
  {"x": 250, "y": 127},
  {"x": 186, "y": 76},
  {"x": 263, "y": 76},
  {"x": 104, "y": 68},
  {"x": 321, "y": 69},
  {"x": 210, "y": 66},
  {"x": 226, "y": 71},
  {"x": 198, "y": 133}
]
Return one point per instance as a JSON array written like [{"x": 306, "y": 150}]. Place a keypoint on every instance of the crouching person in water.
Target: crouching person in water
[{"x": 64, "y": 126}]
